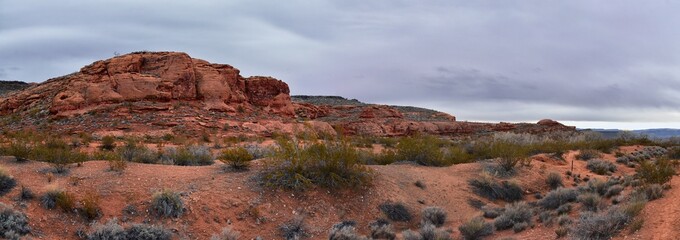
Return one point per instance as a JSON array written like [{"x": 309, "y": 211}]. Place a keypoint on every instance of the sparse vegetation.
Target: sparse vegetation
[
  {"x": 227, "y": 234},
  {"x": 475, "y": 228},
  {"x": 396, "y": 212},
  {"x": 113, "y": 231},
  {"x": 21, "y": 150},
  {"x": 601, "y": 167},
  {"x": 588, "y": 154},
  {"x": 90, "y": 207},
  {"x": 345, "y": 230},
  {"x": 331, "y": 165},
  {"x": 238, "y": 159},
  {"x": 193, "y": 155},
  {"x": 13, "y": 224},
  {"x": 57, "y": 198},
  {"x": 294, "y": 229},
  {"x": 590, "y": 201},
  {"x": 382, "y": 229},
  {"x": 167, "y": 203},
  {"x": 652, "y": 191},
  {"x": 656, "y": 172},
  {"x": 514, "y": 214},
  {"x": 554, "y": 180},
  {"x": 558, "y": 197},
  {"x": 430, "y": 232},
  {"x": 7, "y": 182},
  {"x": 433, "y": 215},
  {"x": 486, "y": 186},
  {"x": 108, "y": 143}
]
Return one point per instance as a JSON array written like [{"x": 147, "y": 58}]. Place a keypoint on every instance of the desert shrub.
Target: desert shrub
[
  {"x": 558, "y": 197},
  {"x": 563, "y": 220},
  {"x": 434, "y": 215},
  {"x": 508, "y": 154},
  {"x": 117, "y": 165},
  {"x": 652, "y": 192},
  {"x": 7, "y": 182},
  {"x": 194, "y": 155},
  {"x": 237, "y": 158},
  {"x": 457, "y": 155},
  {"x": 656, "y": 172},
  {"x": 564, "y": 209},
  {"x": 13, "y": 224},
  {"x": 411, "y": 235},
  {"x": 258, "y": 152},
  {"x": 21, "y": 150},
  {"x": 424, "y": 150},
  {"x": 26, "y": 193},
  {"x": 420, "y": 184},
  {"x": 90, "y": 207},
  {"x": 345, "y": 230},
  {"x": 226, "y": 234},
  {"x": 57, "y": 198},
  {"x": 636, "y": 225},
  {"x": 294, "y": 229},
  {"x": 167, "y": 203},
  {"x": 476, "y": 203},
  {"x": 108, "y": 143},
  {"x": 58, "y": 154},
  {"x": 561, "y": 231},
  {"x": 600, "y": 166},
  {"x": 590, "y": 201},
  {"x": 596, "y": 186},
  {"x": 588, "y": 154},
  {"x": 396, "y": 212},
  {"x": 520, "y": 227},
  {"x": 132, "y": 152},
  {"x": 515, "y": 213},
  {"x": 382, "y": 229},
  {"x": 475, "y": 228},
  {"x": 554, "y": 180},
  {"x": 491, "y": 212},
  {"x": 673, "y": 153},
  {"x": 600, "y": 226},
  {"x": 113, "y": 231},
  {"x": 487, "y": 187},
  {"x": 546, "y": 218},
  {"x": 147, "y": 232},
  {"x": 614, "y": 190},
  {"x": 430, "y": 232},
  {"x": 331, "y": 164}
]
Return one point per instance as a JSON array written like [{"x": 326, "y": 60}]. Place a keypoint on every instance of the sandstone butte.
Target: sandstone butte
[{"x": 158, "y": 92}]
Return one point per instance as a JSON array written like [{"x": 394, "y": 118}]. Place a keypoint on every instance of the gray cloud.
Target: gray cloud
[{"x": 479, "y": 60}]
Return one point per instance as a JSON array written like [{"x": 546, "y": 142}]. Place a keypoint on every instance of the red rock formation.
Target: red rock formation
[{"x": 159, "y": 77}]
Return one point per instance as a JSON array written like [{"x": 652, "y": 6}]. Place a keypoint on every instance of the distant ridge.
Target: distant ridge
[
  {"x": 662, "y": 133},
  {"x": 9, "y": 86}
]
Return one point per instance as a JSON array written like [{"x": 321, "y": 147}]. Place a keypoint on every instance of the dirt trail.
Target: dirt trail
[{"x": 662, "y": 216}]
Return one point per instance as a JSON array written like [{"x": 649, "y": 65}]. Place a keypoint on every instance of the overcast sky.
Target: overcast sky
[{"x": 588, "y": 63}]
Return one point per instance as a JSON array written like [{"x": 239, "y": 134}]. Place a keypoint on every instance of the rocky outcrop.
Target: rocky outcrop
[{"x": 157, "y": 77}]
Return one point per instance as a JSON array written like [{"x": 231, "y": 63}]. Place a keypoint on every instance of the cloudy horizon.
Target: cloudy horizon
[{"x": 586, "y": 63}]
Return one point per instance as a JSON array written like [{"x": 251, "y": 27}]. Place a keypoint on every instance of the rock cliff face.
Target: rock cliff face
[
  {"x": 170, "y": 92},
  {"x": 158, "y": 77}
]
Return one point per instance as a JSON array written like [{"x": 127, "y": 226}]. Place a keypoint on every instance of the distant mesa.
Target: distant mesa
[{"x": 154, "y": 91}]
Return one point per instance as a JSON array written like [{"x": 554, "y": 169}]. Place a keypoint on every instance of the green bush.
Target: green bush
[
  {"x": 424, "y": 150},
  {"x": 7, "y": 182},
  {"x": 332, "y": 164},
  {"x": 487, "y": 187},
  {"x": 19, "y": 149},
  {"x": 656, "y": 172},
  {"x": 58, "y": 154},
  {"x": 132, "y": 152},
  {"x": 475, "y": 228},
  {"x": 13, "y": 224},
  {"x": 167, "y": 203},
  {"x": 108, "y": 143},
  {"x": 508, "y": 154},
  {"x": 237, "y": 158}
]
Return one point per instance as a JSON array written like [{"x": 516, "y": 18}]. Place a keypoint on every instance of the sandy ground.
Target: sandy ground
[{"x": 215, "y": 199}]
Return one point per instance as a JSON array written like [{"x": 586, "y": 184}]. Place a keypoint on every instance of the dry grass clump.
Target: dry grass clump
[
  {"x": 433, "y": 215},
  {"x": 90, "y": 209},
  {"x": 588, "y": 154},
  {"x": 167, "y": 203},
  {"x": 345, "y": 230},
  {"x": 516, "y": 215},
  {"x": 331, "y": 164},
  {"x": 238, "y": 159},
  {"x": 21, "y": 150},
  {"x": 108, "y": 143},
  {"x": 193, "y": 155},
  {"x": 382, "y": 229},
  {"x": 226, "y": 234},
  {"x": 554, "y": 180},
  {"x": 486, "y": 186},
  {"x": 113, "y": 231},
  {"x": 475, "y": 228},
  {"x": 57, "y": 198},
  {"x": 294, "y": 229},
  {"x": 590, "y": 201}
]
